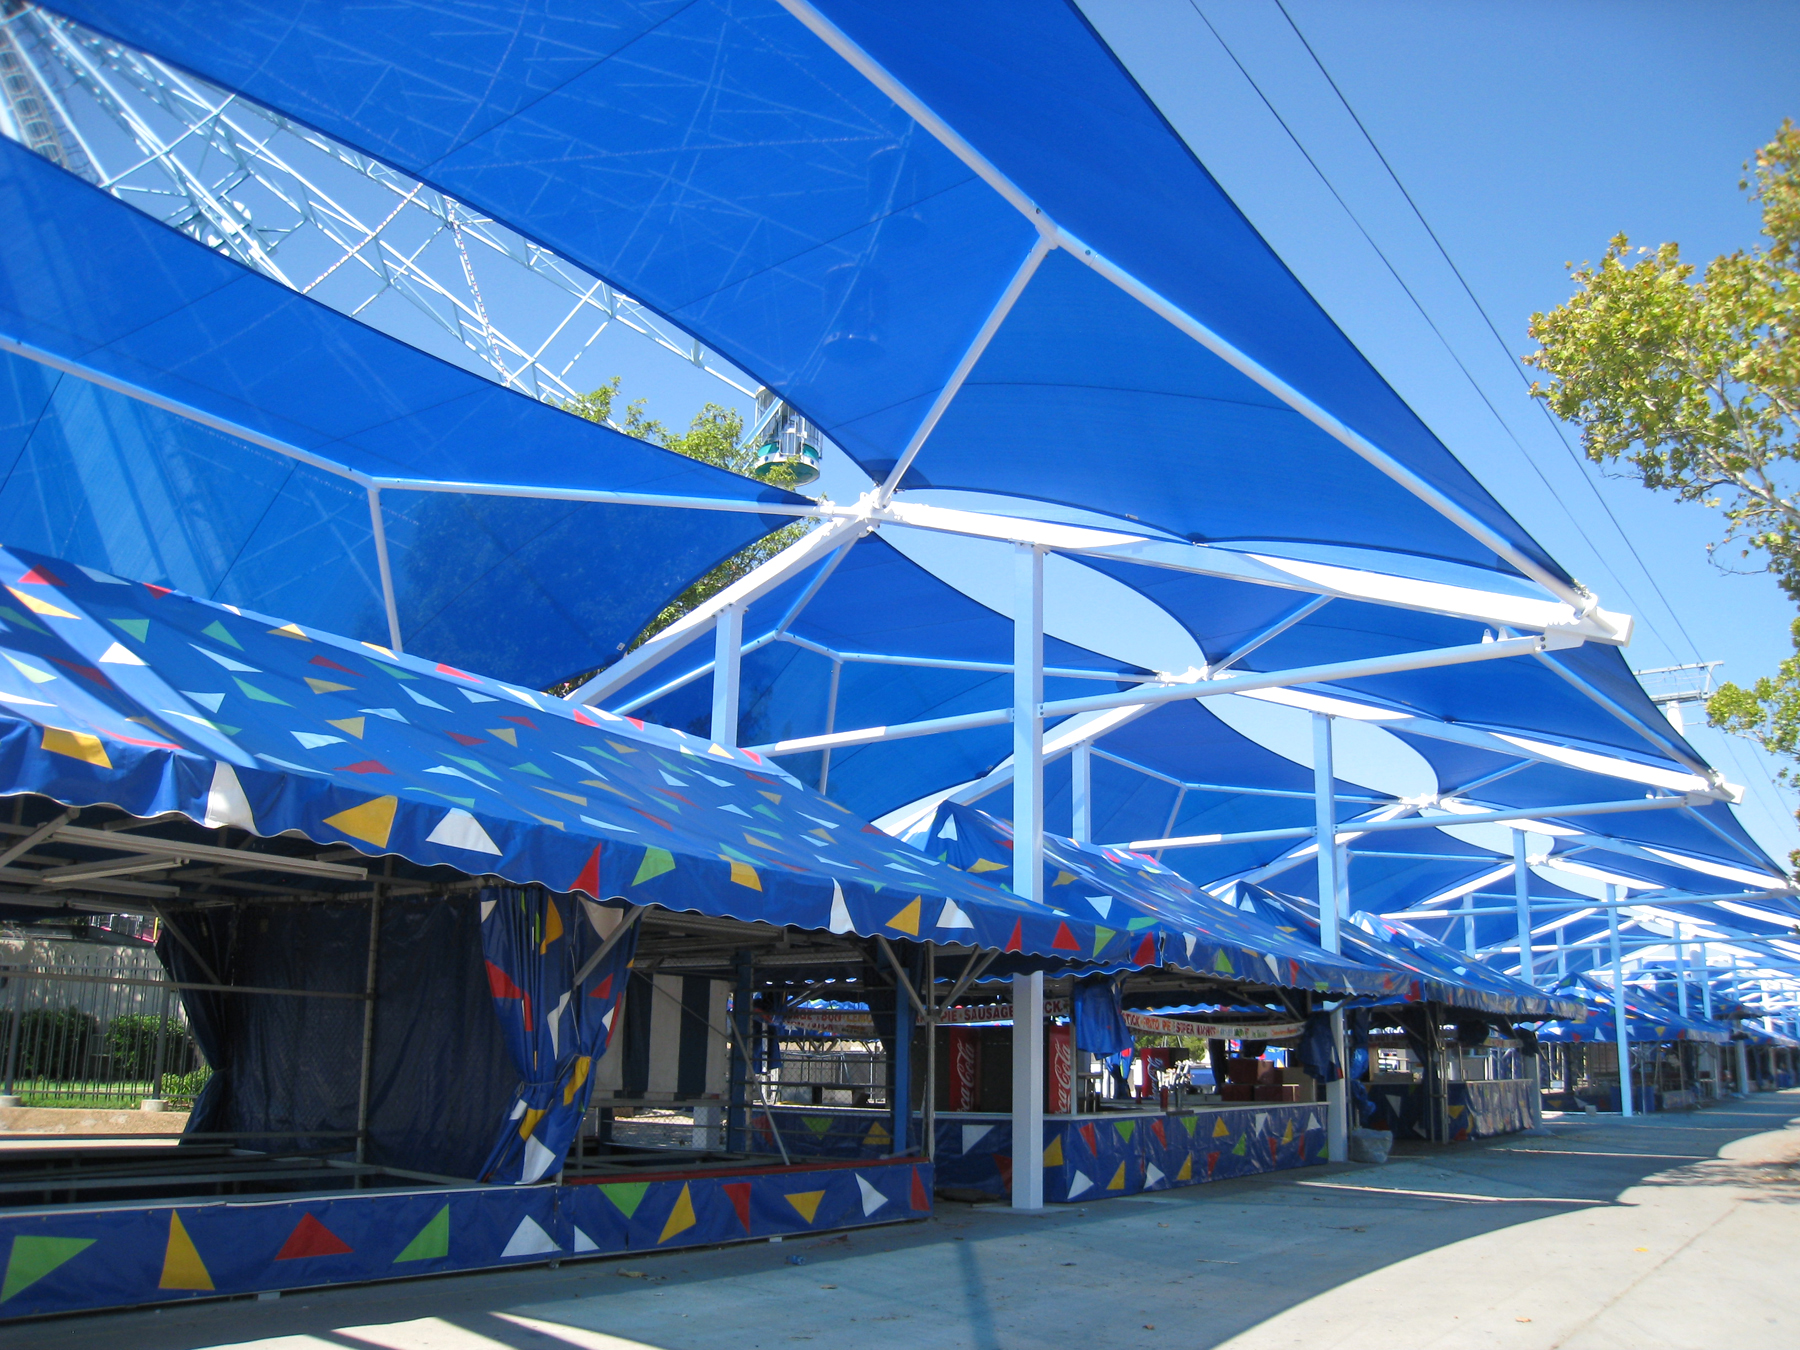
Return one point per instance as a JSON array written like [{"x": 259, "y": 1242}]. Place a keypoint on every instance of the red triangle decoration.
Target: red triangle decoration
[
  {"x": 1212, "y": 1161},
  {"x": 605, "y": 989},
  {"x": 1017, "y": 941},
  {"x": 39, "y": 576},
  {"x": 1064, "y": 939},
  {"x": 522, "y": 721},
  {"x": 366, "y": 766},
  {"x": 920, "y": 1200},
  {"x": 1274, "y": 1144},
  {"x": 589, "y": 880},
  {"x": 158, "y": 591},
  {"x": 312, "y": 1238},
  {"x": 739, "y": 1191},
  {"x": 443, "y": 669},
  {"x": 1092, "y": 1140},
  {"x": 1004, "y": 1163},
  {"x": 1146, "y": 952},
  {"x": 331, "y": 665},
  {"x": 461, "y": 739},
  {"x": 582, "y": 718},
  {"x": 1156, "y": 1126}
]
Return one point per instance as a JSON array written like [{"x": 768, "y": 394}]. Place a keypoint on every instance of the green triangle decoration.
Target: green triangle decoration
[
  {"x": 627, "y": 1195},
  {"x": 1126, "y": 1129},
  {"x": 32, "y": 1258},
  {"x": 251, "y": 691},
  {"x": 138, "y": 628},
  {"x": 1221, "y": 963},
  {"x": 656, "y": 862},
  {"x": 218, "y": 633},
  {"x": 819, "y": 1125},
  {"x": 529, "y": 768},
  {"x": 1188, "y": 1123},
  {"x": 1102, "y": 936},
  {"x": 395, "y": 671},
  {"x": 1142, "y": 921},
  {"x": 474, "y": 764},
  {"x": 432, "y": 1242},
  {"x": 12, "y": 615},
  {"x": 762, "y": 808},
  {"x": 460, "y": 801},
  {"x": 1238, "y": 1148}
]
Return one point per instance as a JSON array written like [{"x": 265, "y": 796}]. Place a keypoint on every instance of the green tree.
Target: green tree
[
  {"x": 1693, "y": 382},
  {"x": 714, "y": 437}
]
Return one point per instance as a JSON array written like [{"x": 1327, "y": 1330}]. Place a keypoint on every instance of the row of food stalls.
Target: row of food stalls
[{"x": 774, "y": 801}]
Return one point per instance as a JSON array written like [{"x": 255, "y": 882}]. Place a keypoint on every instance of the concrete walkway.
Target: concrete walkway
[{"x": 1677, "y": 1230}]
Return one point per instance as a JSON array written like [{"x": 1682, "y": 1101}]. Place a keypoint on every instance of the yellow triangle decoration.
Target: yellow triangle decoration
[
  {"x": 566, "y": 796},
  {"x": 1287, "y": 1135},
  {"x": 77, "y": 745},
  {"x": 545, "y": 820},
  {"x": 291, "y": 630},
  {"x": 37, "y": 606},
  {"x": 807, "y": 1202},
  {"x": 877, "y": 1135},
  {"x": 182, "y": 1266},
  {"x": 1118, "y": 1181},
  {"x": 324, "y": 686},
  {"x": 1053, "y": 1156},
  {"x": 350, "y": 726},
  {"x": 745, "y": 875},
  {"x": 1063, "y": 878},
  {"x": 985, "y": 865},
  {"x": 1219, "y": 1130},
  {"x": 907, "y": 920},
  {"x": 681, "y": 1218},
  {"x": 772, "y": 796},
  {"x": 1187, "y": 1170},
  {"x": 506, "y": 734},
  {"x": 371, "y": 822},
  {"x": 582, "y": 1066},
  {"x": 553, "y": 927},
  {"x": 528, "y": 1122}
]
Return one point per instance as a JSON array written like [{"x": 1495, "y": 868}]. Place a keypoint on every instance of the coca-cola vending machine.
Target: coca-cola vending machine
[
  {"x": 1059, "y": 1064},
  {"x": 965, "y": 1069}
]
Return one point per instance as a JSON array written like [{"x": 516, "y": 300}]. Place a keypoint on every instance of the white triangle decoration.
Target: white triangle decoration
[
  {"x": 1191, "y": 939},
  {"x": 1312, "y": 1120},
  {"x": 608, "y": 825},
  {"x": 1102, "y": 904},
  {"x": 528, "y": 1239},
  {"x": 461, "y": 830},
  {"x": 226, "y": 803},
  {"x": 584, "y": 1243},
  {"x": 417, "y": 697},
  {"x": 474, "y": 697},
  {"x": 1081, "y": 1182},
  {"x": 949, "y": 830},
  {"x": 953, "y": 916},
  {"x": 487, "y": 908},
  {"x": 118, "y": 655},
  {"x": 973, "y": 1135},
  {"x": 312, "y": 740},
  {"x": 225, "y": 661},
  {"x": 553, "y": 1020},
  {"x": 671, "y": 779},
  {"x": 210, "y": 702},
  {"x": 581, "y": 764},
  {"x": 1262, "y": 1121},
  {"x": 449, "y": 772},
  {"x": 32, "y": 673},
  {"x": 872, "y": 1199},
  {"x": 1152, "y": 1175},
  {"x": 1274, "y": 965},
  {"x": 538, "y": 1160},
  {"x": 392, "y": 714},
  {"x": 105, "y": 578},
  {"x": 735, "y": 810},
  {"x": 840, "y": 912}
]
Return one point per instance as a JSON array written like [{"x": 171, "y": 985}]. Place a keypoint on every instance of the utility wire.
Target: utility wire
[{"x": 1511, "y": 360}]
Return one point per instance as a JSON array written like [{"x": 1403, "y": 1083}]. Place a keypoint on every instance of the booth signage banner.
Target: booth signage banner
[{"x": 836, "y": 1022}]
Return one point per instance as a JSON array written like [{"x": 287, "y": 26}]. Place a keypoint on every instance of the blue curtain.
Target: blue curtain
[
  {"x": 534, "y": 944},
  {"x": 1099, "y": 1018}
]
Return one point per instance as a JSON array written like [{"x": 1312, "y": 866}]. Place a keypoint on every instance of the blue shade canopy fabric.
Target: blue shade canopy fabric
[
  {"x": 725, "y": 166},
  {"x": 1154, "y": 906},
  {"x": 1497, "y": 991},
  {"x": 131, "y": 695},
  {"x": 1647, "y": 1019},
  {"x": 536, "y": 590}
]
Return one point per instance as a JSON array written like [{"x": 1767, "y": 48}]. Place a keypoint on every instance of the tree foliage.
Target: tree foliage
[
  {"x": 1693, "y": 381},
  {"x": 713, "y": 437}
]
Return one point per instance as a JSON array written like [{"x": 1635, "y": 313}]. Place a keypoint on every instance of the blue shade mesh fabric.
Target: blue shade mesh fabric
[
  {"x": 534, "y": 590},
  {"x": 722, "y": 164}
]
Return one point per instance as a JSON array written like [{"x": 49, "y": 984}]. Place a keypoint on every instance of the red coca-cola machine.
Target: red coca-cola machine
[{"x": 1059, "y": 1070}]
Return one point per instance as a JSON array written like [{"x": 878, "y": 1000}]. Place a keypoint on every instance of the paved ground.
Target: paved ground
[{"x": 1668, "y": 1231}]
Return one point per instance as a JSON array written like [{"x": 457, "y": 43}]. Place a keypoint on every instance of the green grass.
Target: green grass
[{"x": 90, "y": 1095}]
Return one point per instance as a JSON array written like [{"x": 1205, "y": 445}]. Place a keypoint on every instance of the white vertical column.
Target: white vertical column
[
  {"x": 1681, "y": 1000},
  {"x": 1028, "y": 1091},
  {"x": 1705, "y": 984},
  {"x": 1620, "y": 1027},
  {"x": 1522, "y": 900},
  {"x": 1028, "y": 871},
  {"x": 728, "y": 643},
  {"x": 1337, "y": 1095},
  {"x": 1081, "y": 787}
]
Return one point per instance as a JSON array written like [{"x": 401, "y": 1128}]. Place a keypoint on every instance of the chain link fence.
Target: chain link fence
[{"x": 72, "y": 1034}]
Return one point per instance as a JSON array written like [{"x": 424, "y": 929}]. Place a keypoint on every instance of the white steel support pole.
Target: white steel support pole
[
  {"x": 1081, "y": 790},
  {"x": 1028, "y": 872},
  {"x": 1681, "y": 998},
  {"x": 1620, "y": 1027},
  {"x": 1028, "y": 1091},
  {"x": 1705, "y": 985},
  {"x": 728, "y": 642},
  {"x": 1522, "y": 897},
  {"x": 1337, "y": 1095}
]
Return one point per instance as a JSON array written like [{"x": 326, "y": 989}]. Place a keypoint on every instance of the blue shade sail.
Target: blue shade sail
[
  {"x": 1154, "y": 906},
  {"x": 722, "y": 164},
  {"x": 534, "y": 589},
  {"x": 1647, "y": 1018},
  {"x": 119, "y": 693},
  {"x": 1495, "y": 990}
]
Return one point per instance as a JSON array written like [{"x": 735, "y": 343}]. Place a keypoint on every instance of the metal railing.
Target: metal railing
[{"x": 85, "y": 1026}]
